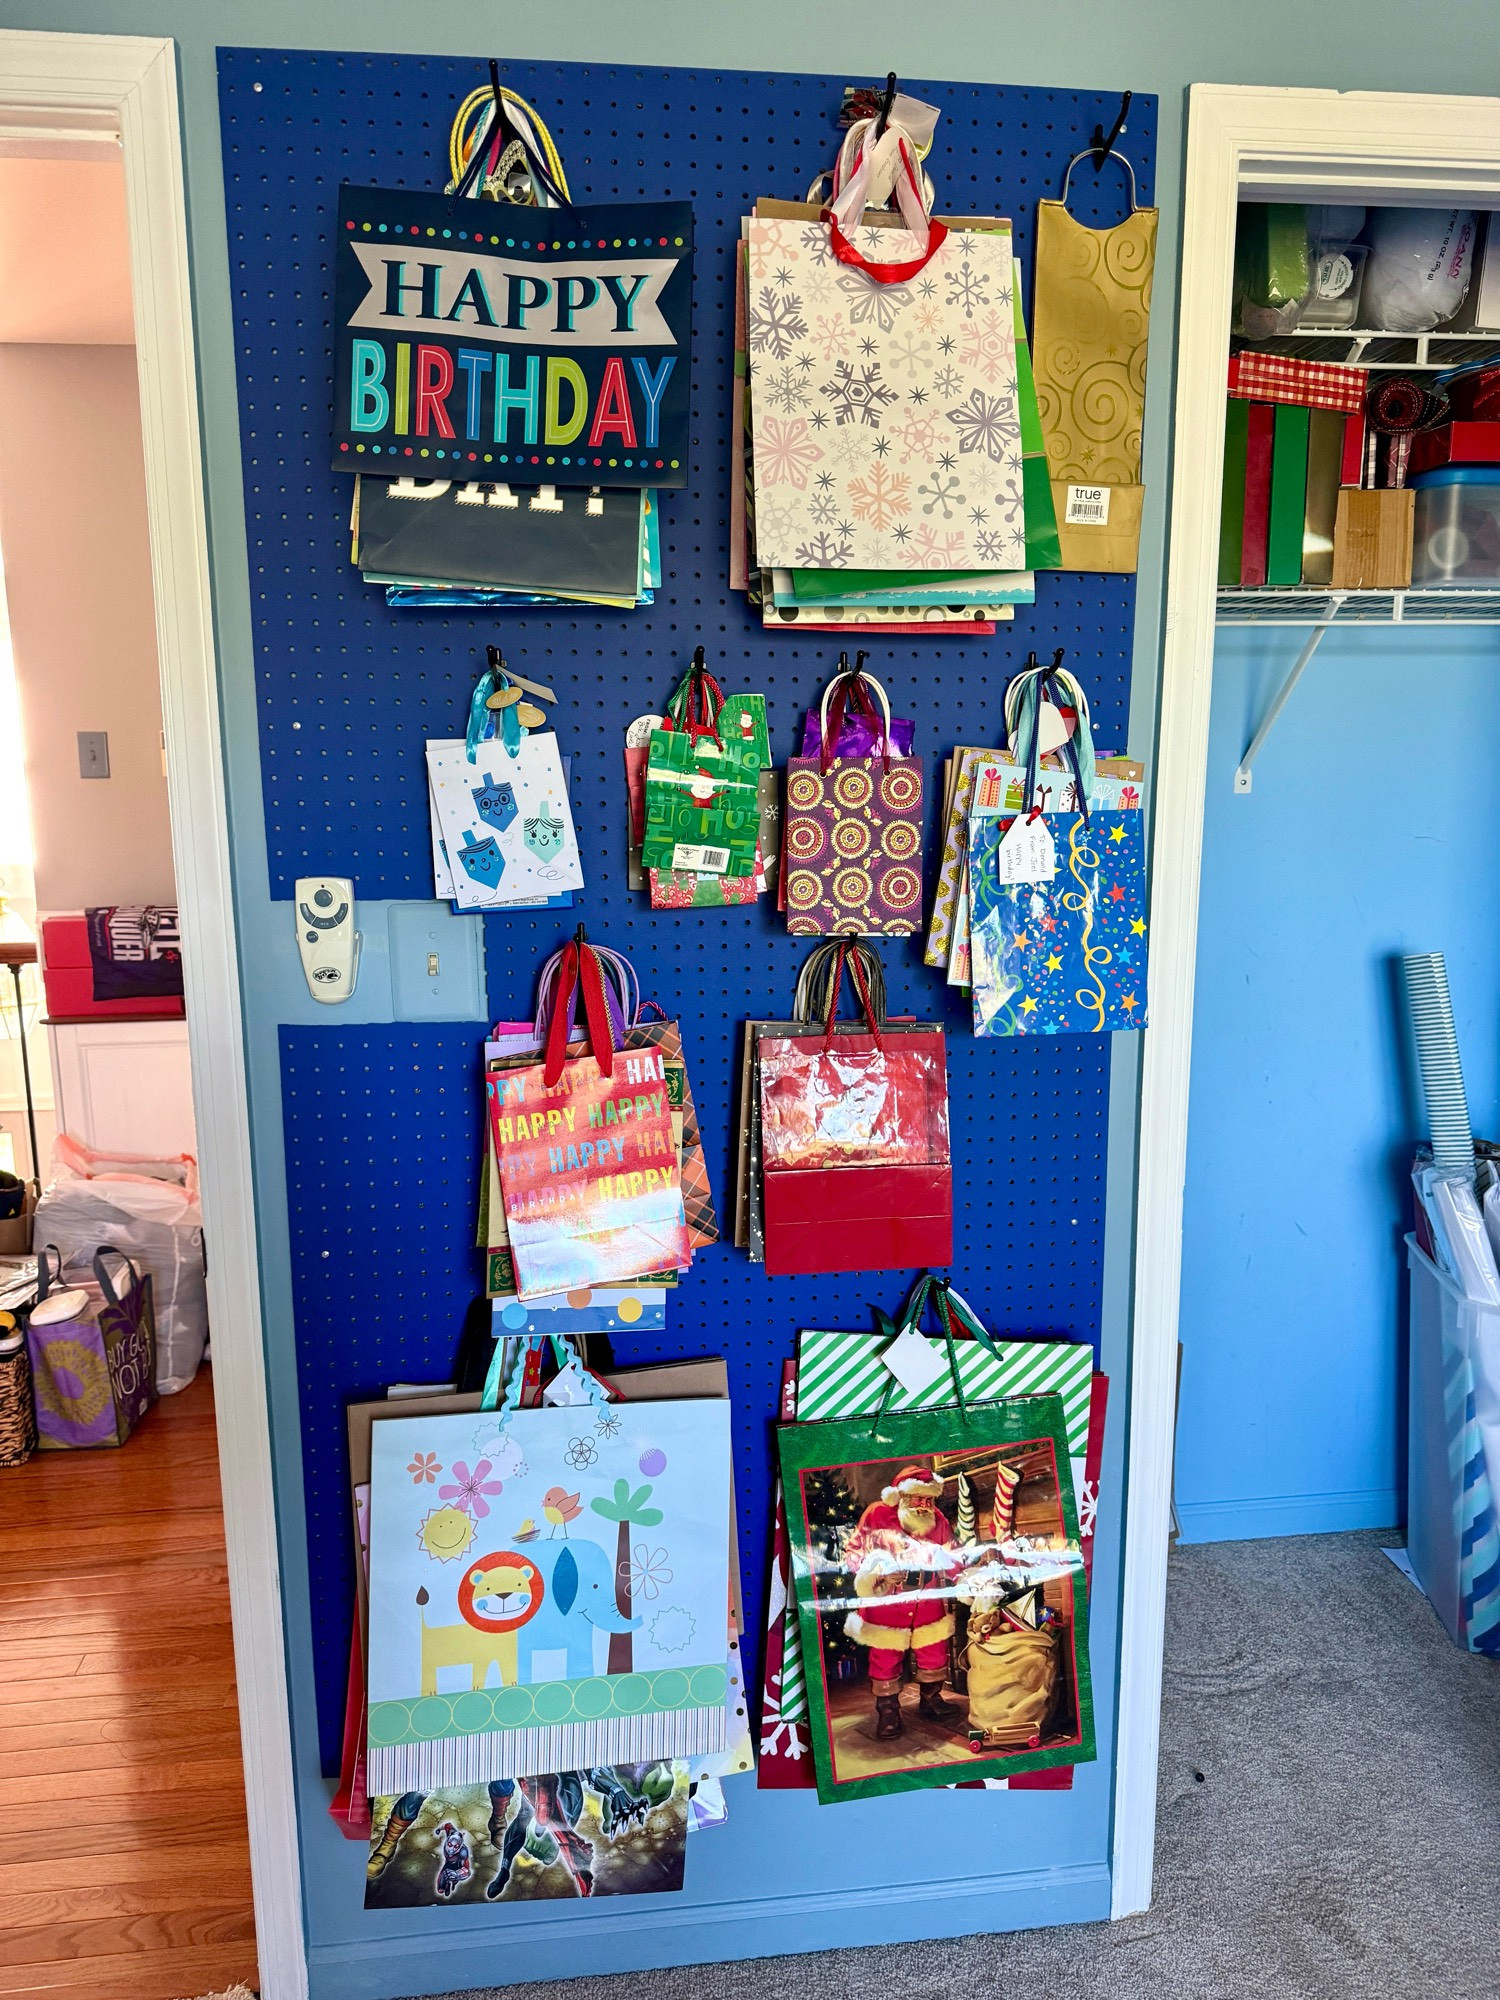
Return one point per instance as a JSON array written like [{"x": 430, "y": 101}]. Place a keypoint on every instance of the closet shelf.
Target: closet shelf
[
  {"x": 1354, "y": 344},
  {"x": 1318, "y": 611},
  {"x": 1317, "y": 606}
]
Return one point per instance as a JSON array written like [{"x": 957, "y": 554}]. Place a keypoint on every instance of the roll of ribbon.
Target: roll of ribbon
[
  {"x": 1431, "y": 1011},
  {"x": 1398, "y": 403}
]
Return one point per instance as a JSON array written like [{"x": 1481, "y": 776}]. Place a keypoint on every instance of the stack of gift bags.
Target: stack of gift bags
[
  {"x": 889, "y": 464},
  {"x": 702, "y": 798},
  {"x": 594, "y": 1173},
  {"x": 928, "y": 1616},
  {"x": 1040, "y": 906},
  {"x": 502, "y": 827}
]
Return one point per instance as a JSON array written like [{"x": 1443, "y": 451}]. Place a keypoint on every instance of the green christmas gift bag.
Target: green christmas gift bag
[
  {"x": 931, "y": 1553},
  {"x": 703, "y": 771}
]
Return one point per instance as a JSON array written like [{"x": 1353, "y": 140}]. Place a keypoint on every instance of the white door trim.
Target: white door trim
[
  {"x": 58, "y": 86},
  {"x": 1269, "y": 143}
]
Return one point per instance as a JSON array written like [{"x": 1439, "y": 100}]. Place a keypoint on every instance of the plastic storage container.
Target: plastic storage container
[
  {"x": 1451, "y": 1534},
  {"x": 1457, "y": 532}
]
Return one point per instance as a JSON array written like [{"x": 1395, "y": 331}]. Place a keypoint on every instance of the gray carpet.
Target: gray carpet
[{"x": 1329, "y": 1823}]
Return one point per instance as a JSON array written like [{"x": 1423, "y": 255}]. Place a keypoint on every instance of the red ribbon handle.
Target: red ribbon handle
[
  {"x": 850, "y": 951},
  {"x": 580, "y": 966}
]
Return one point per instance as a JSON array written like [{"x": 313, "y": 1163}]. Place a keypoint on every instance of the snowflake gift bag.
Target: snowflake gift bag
[{"x": 885, "y": 416}]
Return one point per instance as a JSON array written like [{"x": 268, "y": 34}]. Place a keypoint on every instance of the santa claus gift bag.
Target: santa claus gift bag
[
  {"x": 703, "y": 766},
  {"x": 906, "y": 1532}
]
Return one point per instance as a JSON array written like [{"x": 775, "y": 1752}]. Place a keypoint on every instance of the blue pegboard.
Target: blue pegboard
[{"x": 382, "y": 1123}]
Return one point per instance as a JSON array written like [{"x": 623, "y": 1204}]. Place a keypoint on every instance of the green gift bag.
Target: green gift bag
[{"x": 703, "y": 766}]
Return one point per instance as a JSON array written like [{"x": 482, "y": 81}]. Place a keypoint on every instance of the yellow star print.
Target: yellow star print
[
  {"x": 1138, "y": 928},
  {"x": 1117, "y": 834},
  {"x": 1054, "y": 963},
  {"x": 1021, "y": 940},
  {"x": 1028, "y": 1005},
  {"x": 1128, "y": 1002}
]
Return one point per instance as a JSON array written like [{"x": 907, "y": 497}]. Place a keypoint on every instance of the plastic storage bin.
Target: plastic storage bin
[
  {"x": 1451, "y": 1534},
  {"x": 1457, "y": 527}
]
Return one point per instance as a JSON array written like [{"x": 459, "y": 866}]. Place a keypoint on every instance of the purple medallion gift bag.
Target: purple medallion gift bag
[
  {"x": 853, "y": 840},
  {"x": 93, "y": 1354}
]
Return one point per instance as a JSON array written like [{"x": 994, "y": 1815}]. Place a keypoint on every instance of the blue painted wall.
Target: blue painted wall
[{"x": 1368, "y": 834}]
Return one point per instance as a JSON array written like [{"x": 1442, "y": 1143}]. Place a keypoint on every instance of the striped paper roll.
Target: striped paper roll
[
  {"x": 17, "y": 1419},
  {"x": 1431, "y": 1013}
]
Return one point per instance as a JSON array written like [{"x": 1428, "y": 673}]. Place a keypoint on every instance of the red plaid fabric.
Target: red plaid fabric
[{"x": 1277, "y": 378}]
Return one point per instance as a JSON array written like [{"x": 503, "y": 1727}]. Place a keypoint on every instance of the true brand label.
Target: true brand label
[{"x": 1088, "y": 507}]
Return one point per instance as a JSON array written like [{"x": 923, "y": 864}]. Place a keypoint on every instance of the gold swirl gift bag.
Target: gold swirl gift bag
[{"x": 1090, "y": 323}]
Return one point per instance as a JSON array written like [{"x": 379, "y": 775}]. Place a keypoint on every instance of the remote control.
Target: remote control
[{"x": 326, "y": 936}]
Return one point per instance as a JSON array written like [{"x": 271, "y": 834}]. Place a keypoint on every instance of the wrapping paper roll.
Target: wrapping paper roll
[{"x": 1431, "y": 1012}]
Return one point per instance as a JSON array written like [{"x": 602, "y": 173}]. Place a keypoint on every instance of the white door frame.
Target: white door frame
[
  {"x": 1266, "y": 144},
  {"x": 70, "y": 91}
]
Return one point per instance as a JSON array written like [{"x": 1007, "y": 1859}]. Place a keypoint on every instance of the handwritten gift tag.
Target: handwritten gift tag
[{"x": 1026, "y": 852}]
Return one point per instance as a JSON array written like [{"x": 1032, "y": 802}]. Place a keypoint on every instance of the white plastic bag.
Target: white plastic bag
[
  {"x": 1418, "y": 270},
  {"x": 1464, "y": 1228},
  {"x": 149, "y": 1208}
]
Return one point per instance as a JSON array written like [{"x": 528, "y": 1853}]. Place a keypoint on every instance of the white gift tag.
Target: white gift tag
[
  {"x": 1053, "y": 729},
  {"x": 1088, "y": 506},
  {"x": 638, "y": 735},
  {"x": 1027, "y": 852},
  {"x": 912, "y": 1361},
  {"x": 567, "y": 1386}
]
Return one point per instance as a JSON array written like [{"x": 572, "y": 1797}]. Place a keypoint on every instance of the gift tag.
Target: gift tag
[
  {"x": 638, "y": 735},
  {"x": 568, "y": 1385},
  {"x": 1027, "y": 852},
  {"x": 912, "y": 1361}
]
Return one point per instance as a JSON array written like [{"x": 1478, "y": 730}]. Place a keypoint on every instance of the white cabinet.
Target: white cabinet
[{"x": 124, "y": 1086}]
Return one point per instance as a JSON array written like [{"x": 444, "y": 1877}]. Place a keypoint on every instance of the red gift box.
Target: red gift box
[
  {"x": 68, "y": 977},
  {"x": 1455, "y": 444}
]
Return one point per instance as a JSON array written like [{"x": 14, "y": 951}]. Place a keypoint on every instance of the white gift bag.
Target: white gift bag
[
  {"x": 885, "y": 417},
  {"x": 504, "y": 820}
]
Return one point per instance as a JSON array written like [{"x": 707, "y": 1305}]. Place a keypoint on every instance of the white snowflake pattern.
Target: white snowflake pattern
[
  {"x": 824, "y": 509},
  {"x": 849, "y": 449},
  {"x": 824, "y": 551},
  {"x": 774, "y": 322},
  {"x": 914, "y": 355},
  {"x": 858, "y": 394},
  {"x": 988, "y": 346},
  {"x": 880, "y": 305},
  {"x": 968, "y": 288},
  {"x": 931, "y": 550},
  {"x": 945, "y": 495},
  {"x": 989, "y": 546},
  {"x": 985, "y": 424},
  {"x": 831, "y": 336},
  {"x": 787, "y": 389},
  {"x": 814, "y": 240},
  {"x": 917, "y": 433},
  {"x": 775, "y": 522},
  {"x": 785, "y": 451},
  {"x": 881, "y": 496}
]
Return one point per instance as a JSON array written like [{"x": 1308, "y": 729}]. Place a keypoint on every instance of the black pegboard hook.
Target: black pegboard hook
[
  {"x": 1100, "y": 146},
  {"x": 885, "y": 105}
]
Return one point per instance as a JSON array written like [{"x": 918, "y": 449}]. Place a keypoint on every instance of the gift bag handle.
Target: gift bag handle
[
  {"x": 849, "y": 952},
  {"x": 621, "y": 992},
  {"x": 1089, "y": 154},
  {"x": 866, "y": 149},
  {"x": 580, "y": 966},
  {"x": 101, "y": 1273},
  {"x": 1023, "y": 709},
  {"x": 955, "y": 1316},
  {"x": 812, "y": 996},
  {"x": 855, "y": 684},
  {"x": 45, "y": 1278},
  {"x": 697, "y": 703}
]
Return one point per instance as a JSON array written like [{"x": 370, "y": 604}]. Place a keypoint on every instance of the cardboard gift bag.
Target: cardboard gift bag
[{"x": 854, "y": 1142}]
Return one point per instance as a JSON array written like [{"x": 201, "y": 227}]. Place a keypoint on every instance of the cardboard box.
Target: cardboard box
[{"x": 1372, "y": 540}]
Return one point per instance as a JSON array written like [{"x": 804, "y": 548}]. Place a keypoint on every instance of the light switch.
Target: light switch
[
  {"x": 93, "y": 753},
  {"x": 437, "y": 963}
]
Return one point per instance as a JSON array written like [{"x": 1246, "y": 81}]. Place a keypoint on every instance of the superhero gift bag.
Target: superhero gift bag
[
  {"x": 917, "y": 1539},
  {"x": 93, "y": 1354},
  {"x": 854, "y": 1154},
  {"x": 1065, "y": 957},
  {"x": 854, "y": 827},
  {"x": 703, "y": 766}
]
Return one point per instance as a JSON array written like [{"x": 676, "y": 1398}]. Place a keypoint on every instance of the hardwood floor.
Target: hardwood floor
[{"x": 124, "y": 1867}]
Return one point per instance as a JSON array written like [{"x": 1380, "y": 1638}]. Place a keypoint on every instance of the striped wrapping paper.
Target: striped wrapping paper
[
  {"x": 842, "y": 1375},
  {"x": 1479, "y": 1559},
  {"x": 443, "y": 1764},
  {"x": 1431, "y": 1012}
]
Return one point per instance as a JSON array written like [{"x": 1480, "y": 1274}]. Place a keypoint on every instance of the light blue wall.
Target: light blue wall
[
  {"x": 1370, "y": 832},
  {"x": 1148, "y": 45}
]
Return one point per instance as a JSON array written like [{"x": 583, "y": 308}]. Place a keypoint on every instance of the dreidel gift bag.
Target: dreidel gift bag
[
  {"x": 855, "y": 1164},
  {"x": 93, "y": 1353},
  {"x": 587, "y": 1152}
]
